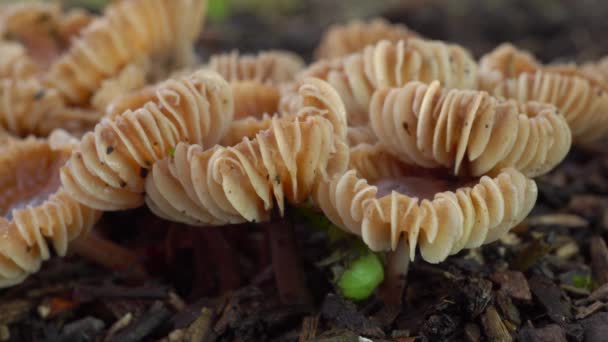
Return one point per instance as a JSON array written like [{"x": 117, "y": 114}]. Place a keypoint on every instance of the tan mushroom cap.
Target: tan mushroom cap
[
  {"x": 281, "y": 163},
  {"x": 343, "y": 39},
  {"x": 265, "y": 67},
  {"x": 131, "y": 78},
  {"x": 357, "y": 135},
  {"x": 35, "y": 208},
  {"x": 388, "y": 64},
  {"x": 598, "y": 69},
  {"x": 407, "y": 204},
  {"x": 242, "y": 183},
  {"x": 583, "y": 103},
  {"x": 128, "y": 29},
  {"x": 14, "y": 61},
  {"x": 468, "y": 131},
  {"x": 26, "y": 107},
  {"x": 504, "y": 62},
  {"x": 254, "y": 99},
  {"x": 108, "y": 169}
]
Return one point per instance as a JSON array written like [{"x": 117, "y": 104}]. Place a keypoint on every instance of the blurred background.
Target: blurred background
[{"x": 551, "y": 29}]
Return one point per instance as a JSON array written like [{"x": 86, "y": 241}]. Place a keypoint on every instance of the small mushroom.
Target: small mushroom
[
  {"x": 131, "y": 77},
  {"x": 14, "y": 61},
  {"x": 36, "y": 209},
  {"x": 581, "y": 102},
  {"x": 254, "y": 99},
  {"x": 384, "y": 201},
  {"x": 241, "y": 183},
  {"x": 343, "y": 39},
  {"x": 29, "y": 108},
  {"x": 467, "y": 130},
  {"x": 108, "y": 169},
  {"x": 265, "y": 67},
  {"x": 388, "y": 64},
  {"x": 580, "y": 95},
  {"x": 225, "y": 185},
  {"x": 127, "y": 30}
]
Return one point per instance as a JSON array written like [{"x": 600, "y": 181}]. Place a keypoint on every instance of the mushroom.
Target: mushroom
[
  {"x": 265, "y": 67},
  {"x": 383, "y": 201},
  {"x": 128, "y": 29},
  {"x": 343, "y": 39},
  {"x": 42, "y": 29},
  {"x": 35, "y": 207},
  {"x": 241, "y": 183},
  {"x": 108, "y": 169},
  {"x": 29, "y": 108},
  {"x": 388, "y": 64},
  {"x": 130, "y": 78},
  {"x": 598, "y": 69},
  {"x": 253, "y": 99},
  {"x": 468, "y": 131},
  {"x": 577, "y": 93},
  {"x": 14, "y": 61},
  {"x": 583, "y": 103}
]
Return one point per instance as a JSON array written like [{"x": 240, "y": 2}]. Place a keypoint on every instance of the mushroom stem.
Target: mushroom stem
[
  {"x": 395, "y": 280},
  {"x": 288, "y": 275},
  {"x": 106, "y": 253},
  {"x": 221, "y": 250}
]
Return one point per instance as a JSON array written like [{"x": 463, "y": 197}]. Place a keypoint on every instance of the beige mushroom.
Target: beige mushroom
[
  {"x": 388, "y": 64},
  {"x": 127, "y": 30},
  {"x": 343, "y": 39},
  {"x": 468, "y": 131},
  {"x": 36, "y": 209},
  {"x": 384, "y": 201},
  {"x": 108, "y": 169},
  {"x": 265, "y": 67}
]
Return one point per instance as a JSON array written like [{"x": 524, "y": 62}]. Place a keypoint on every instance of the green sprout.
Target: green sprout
[
  {"x": 172, "y": 152},
  {"x": 362, "y": 277},
  {"x": 582, "y": 281}
]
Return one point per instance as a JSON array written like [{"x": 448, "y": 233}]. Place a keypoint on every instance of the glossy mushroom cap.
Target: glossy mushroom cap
[
  {"x": 388, "y": 64},
  {"x": 108, "y": 169},
  {"x": 343, "y": 39},
  {"x": 36, "y": 209},
  {"x": 468, "y": 131},
  {"x": 419, "y": 208}
]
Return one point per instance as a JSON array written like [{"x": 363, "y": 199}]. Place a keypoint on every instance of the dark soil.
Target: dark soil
[{"x": 546, "y": 281}]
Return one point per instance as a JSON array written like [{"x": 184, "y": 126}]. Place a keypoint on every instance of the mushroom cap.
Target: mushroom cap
[
  {"x": 108, "y": 169},
  {"x": 30, "y": 108},
  {"x": 504, "y": 62},
  {"x": 468, "y": 131},
  {"x": 343, "y": 39},
  {"x": 356, "y": 135},
  {"x": 241, "y": 183},
  {"x": 15, "y": 62},
  {"x": 127, "y": 30},
  {"x": 131, "y": 78},
  {"x": 583, "y": 102},
  {"x": 39, "y": 210},
  {"x": 266, "y": 67},
  {"x": 254, "y": 99},
  {"x": 598, "y": 69},
  {"x": 388, "y": 64},
  {"x": 441, "y": 225}
]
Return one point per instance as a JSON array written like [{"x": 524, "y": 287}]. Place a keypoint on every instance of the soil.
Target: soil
[{"x": 545, "y": 281}]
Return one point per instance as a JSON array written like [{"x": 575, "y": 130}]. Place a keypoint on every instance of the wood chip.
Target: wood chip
[
  {"x": 344, "y": 314},
  {"x": 514, "y": 284},
  {"x": 587, "y": 311},
  {"x": 550, "y": 333},
  {"x": 562, "y": 220},
  {"x": 200, "y": 329},
  {"x": 309, "y": 328},
  {"x": 596, "y": 327},
  {"x": 549, "y": 296},
  {"x": 493, "y": 326},
  {"x": 472, "y": 332},
  {"x": 14, "y": 311}
]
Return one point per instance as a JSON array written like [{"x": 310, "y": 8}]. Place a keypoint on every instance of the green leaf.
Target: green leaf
[
  {"x": 582, "y": 281},
  {"x": 362, "y": 277}
]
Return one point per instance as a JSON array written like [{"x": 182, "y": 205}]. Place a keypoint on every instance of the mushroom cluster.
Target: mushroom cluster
[{"x": 397, "y": 139}]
